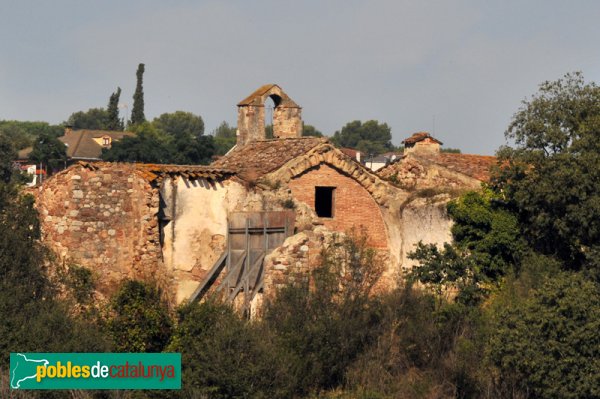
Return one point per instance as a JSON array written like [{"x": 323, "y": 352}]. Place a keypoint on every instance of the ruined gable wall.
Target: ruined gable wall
[
  {"x": 195, "y": 236},
  {"x": 353, "y": 205},
  {"x": 105, "y": 220}
]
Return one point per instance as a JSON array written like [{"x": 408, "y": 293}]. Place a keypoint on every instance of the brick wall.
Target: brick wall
[
  {"x": 103, "y": 219},
  {"x": 353, "y": 205}
]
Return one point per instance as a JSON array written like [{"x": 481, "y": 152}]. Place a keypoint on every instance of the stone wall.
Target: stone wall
[
  {"x": 103, "y": 219},
  {"x": 287, "y": 122}
]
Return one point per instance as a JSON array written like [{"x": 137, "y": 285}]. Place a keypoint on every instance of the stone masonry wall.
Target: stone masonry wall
[
  {"x": 287, "y": 122},
  {"x": 353, "y": 205},
  {"x": 103, "y": 219}
]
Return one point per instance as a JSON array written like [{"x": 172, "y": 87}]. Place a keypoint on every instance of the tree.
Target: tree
[
  {"x": 114, "y": 122},
  {"x": 49, "y": 151},
  {"x": 151, "y": 145},
  {"x": 370, "y": 137},
  {"x": 93, "y": 119},
  {"x": 143, "y": 147},
  {"x": 140, "y": 321},
  {"x": 548, "y": 345},
  {"x": 551, "y": 176},
  {"x": 180, "y": 125},
  {"x": 137, "y": 113},
  {"x": 23, "y": 134},
  {"x": 309, "y": 130}
]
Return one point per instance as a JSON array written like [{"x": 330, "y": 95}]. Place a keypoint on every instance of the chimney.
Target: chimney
[
  {"x": 68, "y": 129},
  {"x": 421, "y": 143}
]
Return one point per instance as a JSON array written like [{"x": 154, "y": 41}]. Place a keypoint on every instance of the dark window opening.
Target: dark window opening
[{"x": 324, "y": 201}]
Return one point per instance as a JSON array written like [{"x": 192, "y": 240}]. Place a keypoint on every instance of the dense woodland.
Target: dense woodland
[{"x": 524, "y": 265}]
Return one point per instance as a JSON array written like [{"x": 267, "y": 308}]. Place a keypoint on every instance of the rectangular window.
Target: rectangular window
[{"x": 324, "y": 201}]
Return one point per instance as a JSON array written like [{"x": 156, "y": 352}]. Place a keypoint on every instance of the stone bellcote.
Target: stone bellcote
[{"x": 287, "y": 120}]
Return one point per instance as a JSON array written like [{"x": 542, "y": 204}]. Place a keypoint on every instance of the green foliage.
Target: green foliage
[
  {"x": 370, "y": 137},
  {"x": 137, "y": 112},
  {"x": 423, "y": 350},
  {"x": 49, "y": 151},
  {"x": 93, "y": 119},
  {"x": 310, "y": 130},
  {"x": 80, "y": 281},
  {"x": 326, "y": 327},
  {"x": 224, "y": 138},
  {"x": 140, "y": 319},
  {"x": 223, "y": 356},
  {"x": 113, "y": 121},
  {"x": 151, "y": 145},
  {"x": 551, "y": 178},
  {"x": 487, "y": 245},
  {"x": 450, "y": 150},
  {"x": 548, "y": 344},
  {"x": 180, "y": 125},
  {"x": 32, "y": 319},
  {"x": 23, "y": 134}
]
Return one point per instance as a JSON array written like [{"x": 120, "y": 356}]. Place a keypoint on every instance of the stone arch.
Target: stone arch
[{"x": 287, "y": 120}]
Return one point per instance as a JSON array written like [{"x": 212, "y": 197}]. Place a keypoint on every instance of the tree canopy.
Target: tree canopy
[
  {"x": 370, "y": 137},
  {"x": 180, "y": 125},
  {"x": 551, "y": 178},
  {"x": 93, "y": 119},
  {"x": 49, "y": 151}
]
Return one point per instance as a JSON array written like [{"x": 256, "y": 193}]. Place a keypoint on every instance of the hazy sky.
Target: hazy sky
[{"x": 466, "y": 64}]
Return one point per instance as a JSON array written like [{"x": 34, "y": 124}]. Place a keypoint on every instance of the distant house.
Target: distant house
[{"x": 82, "y": 145}]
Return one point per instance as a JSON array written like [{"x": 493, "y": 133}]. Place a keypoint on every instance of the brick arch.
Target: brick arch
[
  {"x": 353, "y": 205},
  {"x": 328, "y": 154}
]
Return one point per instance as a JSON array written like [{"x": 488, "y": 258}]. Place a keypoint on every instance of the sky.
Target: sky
[{"x": 458, "y": 69}]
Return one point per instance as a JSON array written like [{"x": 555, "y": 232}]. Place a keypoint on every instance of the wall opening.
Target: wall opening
[
  {"x": 324, "y": 200},
  {"x": 269, "y": 105}
]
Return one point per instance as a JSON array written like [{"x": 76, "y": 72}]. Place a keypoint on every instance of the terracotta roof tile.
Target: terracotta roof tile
[
  {"x": 419, "y": 136},
  {"x": 475, "y": 166},
  {"x": 154, "y": 171},
  {"x": 258, "y": 158}
]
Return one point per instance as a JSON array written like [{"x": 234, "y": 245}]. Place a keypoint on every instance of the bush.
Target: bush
[
  {"x": 140, "y": 320},
  {"x": 224, "y": 356}
]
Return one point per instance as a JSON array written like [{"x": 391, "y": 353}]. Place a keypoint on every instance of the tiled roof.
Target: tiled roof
[
  {"x": 81, "y": 143},
  {"x": 257, "y": 158},
  {"x": 475, "y": 166},
  {"x": 154, "y": 171},
  {"x": 419, "y": 136},
  {"x": 257, "y": 94}
]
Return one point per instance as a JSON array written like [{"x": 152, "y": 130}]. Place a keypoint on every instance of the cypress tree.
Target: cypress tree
[
  {"x": 114, "y": 123},
  {"x": 137, "y": 113}
]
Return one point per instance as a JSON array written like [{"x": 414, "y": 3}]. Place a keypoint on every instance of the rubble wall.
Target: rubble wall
[{"x": 103, "y": 219}]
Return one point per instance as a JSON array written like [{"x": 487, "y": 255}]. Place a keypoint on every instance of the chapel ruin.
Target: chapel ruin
[{"x": 255, "y": 218}]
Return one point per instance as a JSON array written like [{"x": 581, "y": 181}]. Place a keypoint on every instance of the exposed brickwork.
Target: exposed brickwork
[
  {"x": 353, "y": 205},
  {"x": 104, "y": 219}
]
